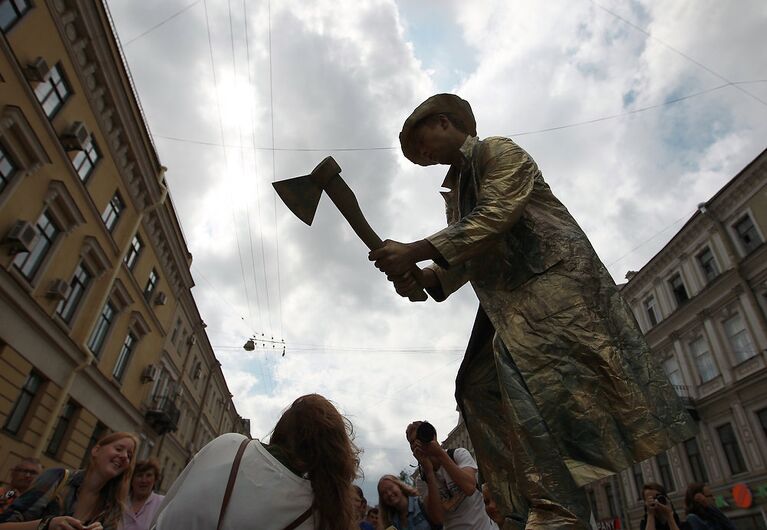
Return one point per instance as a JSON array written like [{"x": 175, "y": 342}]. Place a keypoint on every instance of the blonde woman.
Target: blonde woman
[
  {"x": 86, "y": 499},
  {"x": 399, "y": 506}
]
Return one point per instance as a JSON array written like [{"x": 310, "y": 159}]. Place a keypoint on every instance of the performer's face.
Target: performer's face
[{"x": 438, "y": 140}]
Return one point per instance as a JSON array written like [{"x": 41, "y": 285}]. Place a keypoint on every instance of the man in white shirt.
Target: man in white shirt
[{"x": 460, "y": 505}]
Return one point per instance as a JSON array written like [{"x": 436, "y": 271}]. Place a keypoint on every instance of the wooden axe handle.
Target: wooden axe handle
[{"x": 346, "y": 202}]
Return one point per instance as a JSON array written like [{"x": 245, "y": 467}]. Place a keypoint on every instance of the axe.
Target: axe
[{"x": 302, "y": 195}]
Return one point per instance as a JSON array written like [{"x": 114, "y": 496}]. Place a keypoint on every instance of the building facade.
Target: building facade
[
  {"x": 702, "y": 304},
  {"x": 99, "y": 330}
]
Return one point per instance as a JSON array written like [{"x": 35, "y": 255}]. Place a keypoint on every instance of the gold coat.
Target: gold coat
[{"x": 551, "y": 313}]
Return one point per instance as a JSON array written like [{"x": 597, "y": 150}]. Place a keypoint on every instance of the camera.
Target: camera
[
  {"x": 662, "y": 499},
  {"x": 425, "y": 432}
]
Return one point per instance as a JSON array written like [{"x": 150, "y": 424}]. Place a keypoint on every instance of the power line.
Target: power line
[
  {"x": 523, "y": 133},
  {"x": 643, "y": 243},
  {"x": 274, "y": 166},
  {"x": 226, "y": 156},
  {"x": 162, "y": 22},
  {"x": 679, "y": 52}
]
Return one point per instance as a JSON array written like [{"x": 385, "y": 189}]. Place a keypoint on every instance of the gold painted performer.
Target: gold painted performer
[{"x": 557, "y": 386}]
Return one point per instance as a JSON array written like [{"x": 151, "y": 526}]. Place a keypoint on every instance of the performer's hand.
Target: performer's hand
[
  {"x": 393, "y": 258},
  {"x": 405, "y": 284}
]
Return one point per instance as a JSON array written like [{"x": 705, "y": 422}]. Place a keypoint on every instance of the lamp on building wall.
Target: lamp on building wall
[{"x": 249, "y": 345}]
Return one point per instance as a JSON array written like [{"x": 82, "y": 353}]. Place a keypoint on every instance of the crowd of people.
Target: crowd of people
[{"x": 302, "y": 479}]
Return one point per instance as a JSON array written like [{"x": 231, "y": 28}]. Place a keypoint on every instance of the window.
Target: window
[
  {"x": 7, "y": 168},
  {"x": 53, "y": 92},
  {"x": 737, "y": 336},
  {"x": 704, "y": 361},
  {"x": 98, "y": 431},
  {"x": 671, "y": 367},
  {"x": 20, "y": 409},
  {"x": 747, "y": 234},
  {"x": 85, "y": 159},
  {"x": 133, "y": 252},
  {"x": 112, "y": 212},
  {"x": 695, "y": 458},
  {"x": 151, "y": 284},
  {"x": 125, "y": 354},
  {"x": 762, "y": 415},
  {"x": 651, "y": 310},
  {"x": 77, "y": 287},
  {"x": 11, "y": 11},
  {"x": 731, "y": 448},
  {"x": 678, "y": 289},
  {"x": 708, "y": 264},
  {"x": 664, "y": 466},
  {"x": 96, "y": 340},
  {"x": 61, "y": 429},
  {"x": 28, "y": 263},
  {"x": 636, "y": 471},
  {"x": 611, "y": 504}
]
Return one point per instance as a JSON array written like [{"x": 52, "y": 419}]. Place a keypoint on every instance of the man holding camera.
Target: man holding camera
[
  {"x": 448, "y": 482},
  {"x": 659, "y": 513}
]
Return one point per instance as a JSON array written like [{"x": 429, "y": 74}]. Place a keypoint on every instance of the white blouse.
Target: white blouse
[{"x": 266, "y": 495}]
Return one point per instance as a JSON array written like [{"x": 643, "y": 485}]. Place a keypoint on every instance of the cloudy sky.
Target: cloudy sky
[{"x": 635, "y": 111}]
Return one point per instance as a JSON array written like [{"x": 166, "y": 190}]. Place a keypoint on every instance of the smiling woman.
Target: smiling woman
[{"x": 90, "y": 498}]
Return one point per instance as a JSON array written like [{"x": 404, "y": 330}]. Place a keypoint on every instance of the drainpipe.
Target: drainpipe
[
  {"x": 63, "y": 395},
  {"x": 89, "y": 358},
  {"x": 736, "y": 261}
]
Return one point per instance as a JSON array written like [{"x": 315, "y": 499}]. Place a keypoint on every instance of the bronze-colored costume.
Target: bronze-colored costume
[{"x": 557, "y": 387}]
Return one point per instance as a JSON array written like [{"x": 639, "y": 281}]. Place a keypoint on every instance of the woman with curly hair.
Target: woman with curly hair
[
  {"x": 702, "y": 514},
  {"x": 399, "y": 506},
  {"x": 92, "y": 498},
  {"x": 302, "y": 479}
]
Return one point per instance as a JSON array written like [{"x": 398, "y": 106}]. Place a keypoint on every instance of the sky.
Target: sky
[{"x": 635, "y": 111}]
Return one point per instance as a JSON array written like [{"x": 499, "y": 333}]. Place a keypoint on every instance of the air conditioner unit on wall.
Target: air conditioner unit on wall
[
  {"x": 151, "y": 373},
  {"x": 21, "y": 236},
  {"x": 59, "y": 289},
  {"x": 76, "y": 137},
  {"x": 161, "y": 299},
  {"x": 37, "y": 70}
]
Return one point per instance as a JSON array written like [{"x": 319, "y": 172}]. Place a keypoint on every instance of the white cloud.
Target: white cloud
[{"x": 346, "y": 74}]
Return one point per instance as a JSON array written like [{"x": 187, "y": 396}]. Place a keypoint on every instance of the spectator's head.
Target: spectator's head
[
  {"x": 424, "y": 432},
  {"x": 24, "y": 474},
  {"x": 112, "y": 460},
  {"x": 145, "y": 477},
  {"x": 392, "y": 497},
  {"x": 372, "y": 517},
  {"x": 361, "y": 502},
  {"x": 697, "y": 498},
  {"x": 316, "y": 440},
  {"x": 490, "y": 507}
]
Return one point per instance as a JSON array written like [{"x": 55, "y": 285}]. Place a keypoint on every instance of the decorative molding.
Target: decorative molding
[
  {"x": 120, "y": 295},
  {"x": 63, "y": 205},
  {"x": 94, "y": 255}
]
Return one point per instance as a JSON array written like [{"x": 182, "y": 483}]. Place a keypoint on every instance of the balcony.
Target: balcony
[
  {"x": 685, "y": 395},
  {"x": 163, "y": 415}
]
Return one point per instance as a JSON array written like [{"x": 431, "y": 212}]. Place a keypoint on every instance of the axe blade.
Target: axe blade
[{"x": 301, "y": 195}]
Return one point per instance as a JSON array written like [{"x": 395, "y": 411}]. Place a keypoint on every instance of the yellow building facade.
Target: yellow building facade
[{"x": 98, "y": 327}]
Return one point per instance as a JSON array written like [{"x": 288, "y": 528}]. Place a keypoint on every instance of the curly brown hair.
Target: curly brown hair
[{"x": 317, "y": 441}]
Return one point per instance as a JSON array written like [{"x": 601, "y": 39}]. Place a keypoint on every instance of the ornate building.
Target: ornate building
[
  {"x": 702, "y": 304},
  {"x": 98, "y": 327}
]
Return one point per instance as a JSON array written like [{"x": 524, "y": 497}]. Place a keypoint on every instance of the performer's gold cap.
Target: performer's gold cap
[{"x": 437, "y": 104}]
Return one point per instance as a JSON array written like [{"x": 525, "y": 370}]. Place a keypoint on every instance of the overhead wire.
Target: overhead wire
[
  {"x": 251, "y": 86},
  {"x": 162, "y": 22},
  {"x": 226, "y": 156},
  {"x": 521, "y": 133},
  {"x": 242, "y": 166},
  {"x": 274, "y": 166},
  {"x": 652, "y": 237},
  {"x": 679, "y": 52}
]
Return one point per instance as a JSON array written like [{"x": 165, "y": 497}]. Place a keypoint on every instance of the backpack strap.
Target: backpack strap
[
  {"x": 231, "y": 481},
  {"x": 301, "y": 518}
]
